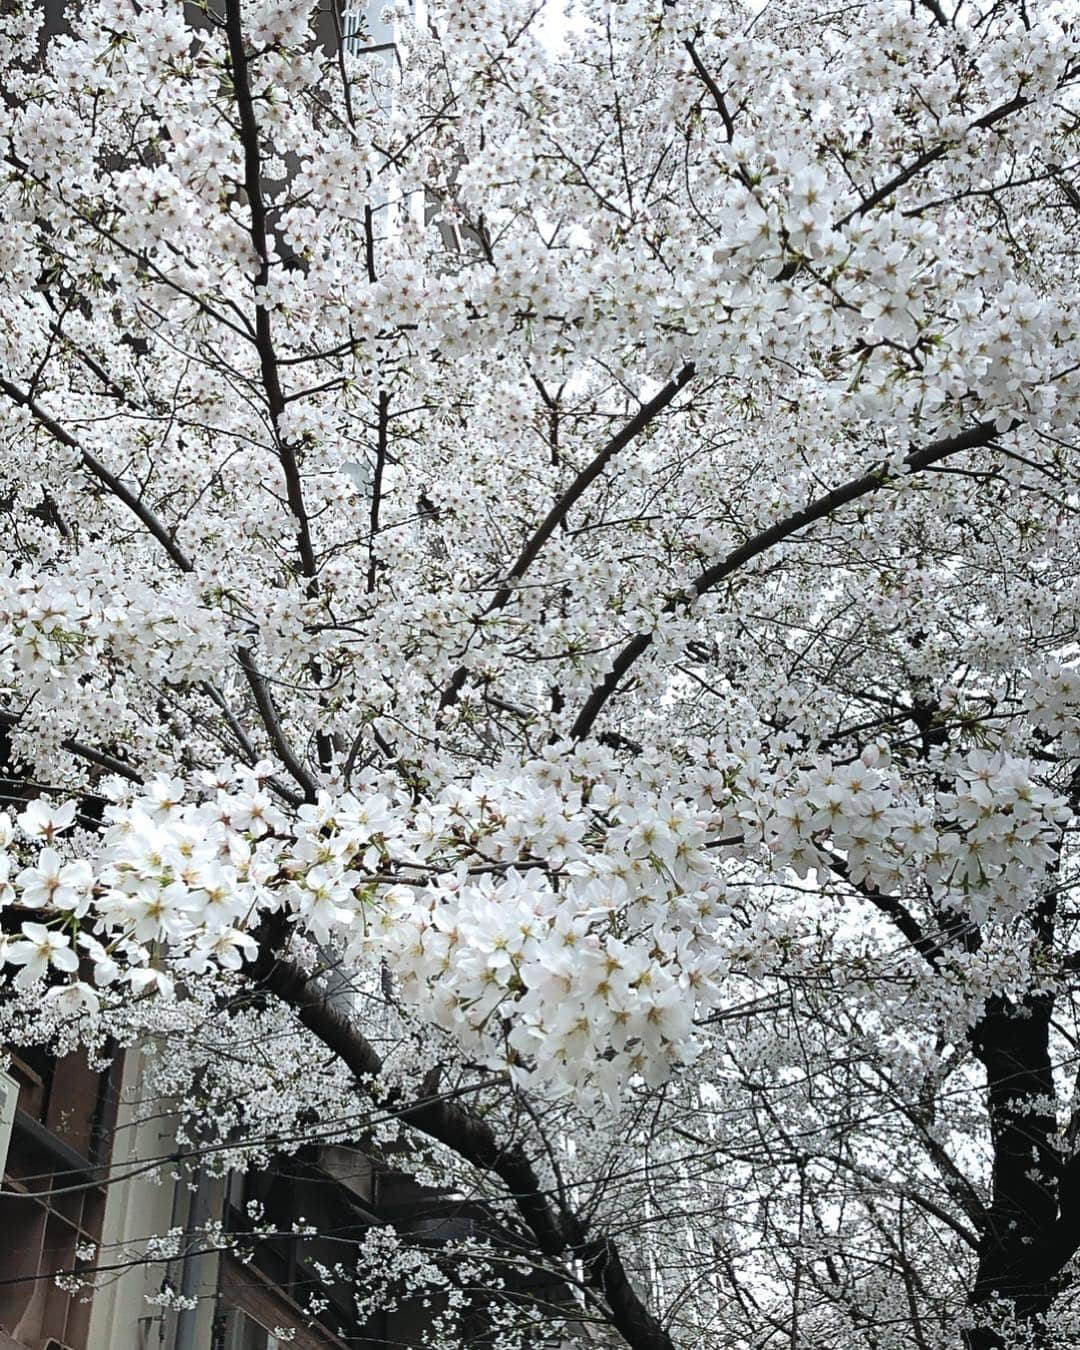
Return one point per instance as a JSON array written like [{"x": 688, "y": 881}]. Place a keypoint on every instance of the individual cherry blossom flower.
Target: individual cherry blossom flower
[
  {"x": 44, "y": 820},
  {"x": 913, "y": 830},
  {"x": 106, "y": 967},
  {"x": 892, "y": 319},
  {"x": 228, "y": 948},
  {"x": 148, "y": 980},
  {"x": 322, "y": 902},
  {"x": 162, "y": 795},
  {"x": 255, "y": 812},
  {"x": 40, "y": 950},
  {"x": 213, "y": 896},
  {"x": 74, "y": 998},
  {"x": 153, "y": 913},
  {"x": 56, "y": 883}
]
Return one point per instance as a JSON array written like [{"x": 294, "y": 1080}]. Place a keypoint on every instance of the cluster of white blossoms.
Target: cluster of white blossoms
[
  {"x": 980, "y": 848},
  {"x": 535, "y": 976},
  {"x": 59, "y": 629},
  {"x": 572, "y": 928},
  {"x": 1052, "y": 699}
]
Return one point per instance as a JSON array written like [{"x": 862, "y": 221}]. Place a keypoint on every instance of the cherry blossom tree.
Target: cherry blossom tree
[{"x": 541, "y": 581}]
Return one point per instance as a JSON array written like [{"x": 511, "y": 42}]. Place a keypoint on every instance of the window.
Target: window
[
  {"x": 244, "y": 1333},
  {"x": 9, "y": 1095},
  {"x": 55, "y": 1114}
]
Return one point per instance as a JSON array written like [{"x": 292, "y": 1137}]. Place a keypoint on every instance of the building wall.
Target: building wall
[
  {"x": 52, "y": 1202},
  {"x": 139, "y": 1207}
]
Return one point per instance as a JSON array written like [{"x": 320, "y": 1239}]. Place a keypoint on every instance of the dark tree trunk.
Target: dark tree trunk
[{"x": 1020, "y": 1252}]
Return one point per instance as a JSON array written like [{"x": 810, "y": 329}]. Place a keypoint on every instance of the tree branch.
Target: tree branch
[
  {"x": 925, "y": 160},
  {"x": 87, "y": 752},
  {"x": 646, "y": 414},
  {"x": 817, "y": 510},
  {"x": 271, "y": 721},
  {"x": 94, "y": 466},
  {"x": 158, "y": 531},
  {"x": 894, "y": 909},
  {"x": 264, "y": 340},
  {"x": 558, "y": 1233}
]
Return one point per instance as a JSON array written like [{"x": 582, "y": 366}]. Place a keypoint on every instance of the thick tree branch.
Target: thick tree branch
[
  {"x": 924, "y": 161},
  {"x": 101, "y": 758},
  {"x": 713, "y": 88},
  {"x": 1022, "y": 1249},
  {"x": 381, "y": 449},
  {"x": 819, "y": 509},
  {"x": 935, "y": 9},
  {"x": 108, "y": 479},
  {"x": 894, "y": 909},
  {"x": 558, "y": 1234},
  {"x": 268, "y": 713}
]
